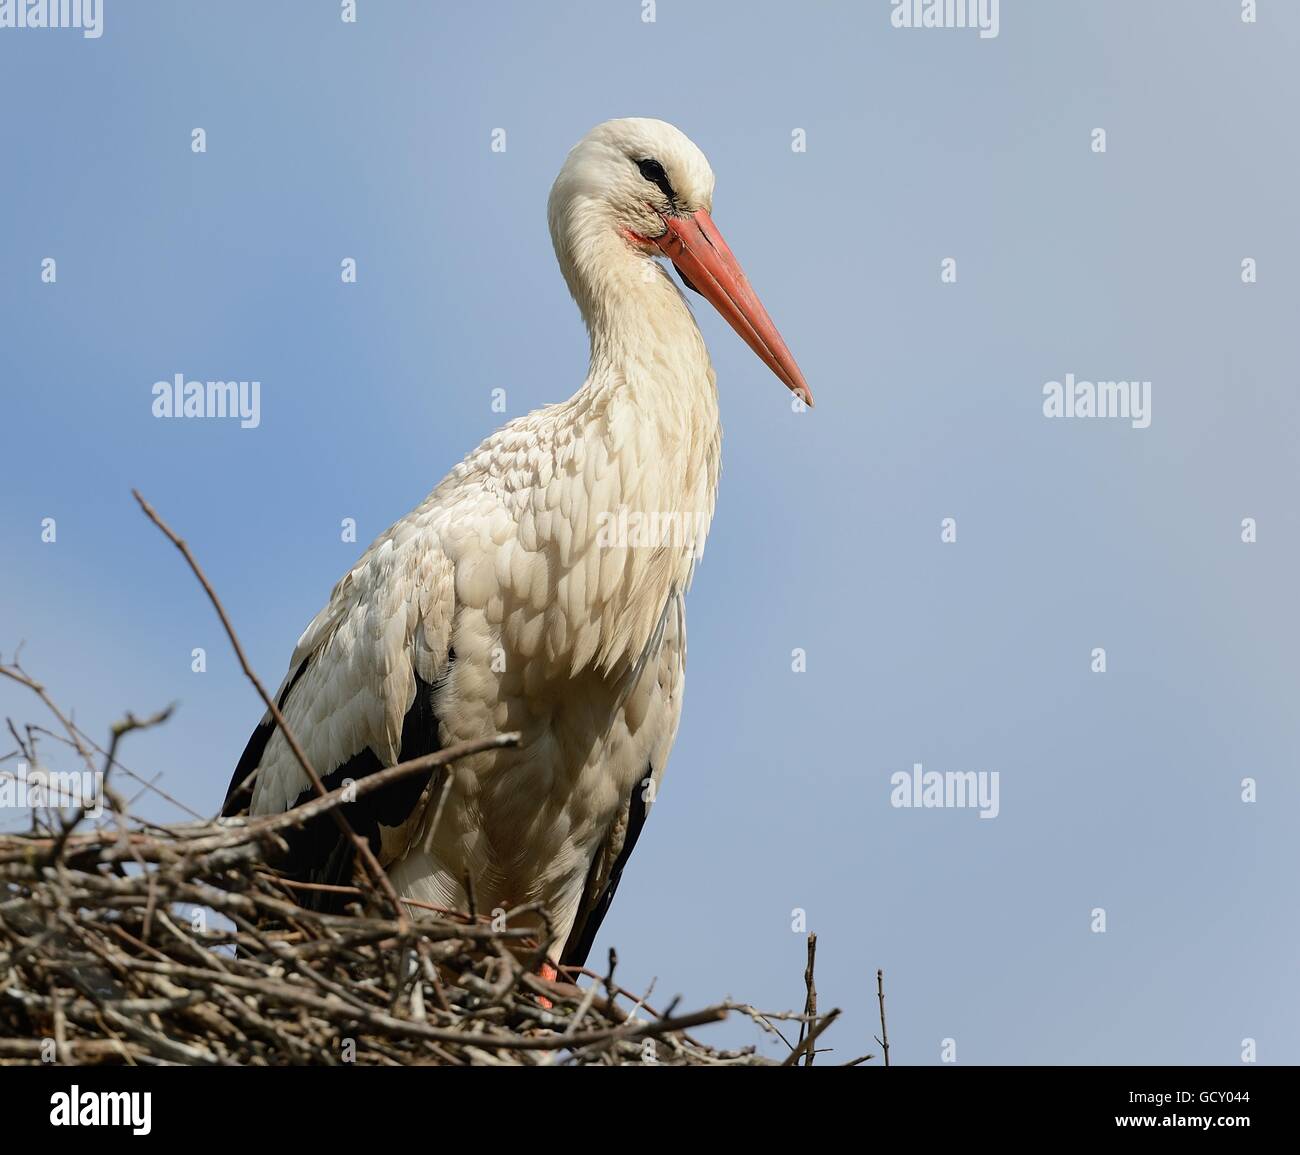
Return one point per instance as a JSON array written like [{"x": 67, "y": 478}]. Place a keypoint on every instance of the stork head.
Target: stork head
[{"x": 640, "y": 188}]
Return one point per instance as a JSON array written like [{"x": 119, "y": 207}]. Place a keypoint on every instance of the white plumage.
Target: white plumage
[{"x": 508, "y": 600}]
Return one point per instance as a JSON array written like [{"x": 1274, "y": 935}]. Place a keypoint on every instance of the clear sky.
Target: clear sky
[{"x": 1119, "y": 790}]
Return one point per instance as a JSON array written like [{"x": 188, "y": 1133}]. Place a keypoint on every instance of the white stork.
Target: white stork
[{"x": 496, "y": 605}]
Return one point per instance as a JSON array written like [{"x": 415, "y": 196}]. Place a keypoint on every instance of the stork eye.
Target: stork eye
[{"x": 653, "y": 171}]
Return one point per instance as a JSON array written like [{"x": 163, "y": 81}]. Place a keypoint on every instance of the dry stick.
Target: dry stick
[
  {"x": 357, "y": 892},
  {"x": 78, "y": 1049},
  {"x": 149, "y": 786},
  {"x": 609, "y": 1005},
  {"x": 15, "y": 672},
  {"x": 883, "y": 1040},
  {"x": 431, "y": 973},
  {"x": 296, "y": 996},
  {"x": 19, "y": 675},
  {"x": 297, "y": 815},
  {"x": 362, "y": 846},
  {"x": 810, "y": 1003},
  {"x": 60, "y": 1023},
  {"x": 792, "y": 1059},
  {"x": 125, "y": 726},
  {"x": 380, "y": 778}
]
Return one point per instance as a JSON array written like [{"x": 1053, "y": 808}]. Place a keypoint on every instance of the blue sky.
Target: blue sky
[{"x": 1119, "y": 790}]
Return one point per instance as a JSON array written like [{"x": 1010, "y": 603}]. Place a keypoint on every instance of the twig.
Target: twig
[
  {"x": 810, "y": 1002},
  {"x": 883, "y": 1040},
  {"x": 792, "y": 1058},
  {"x": 361, "y": 845}
]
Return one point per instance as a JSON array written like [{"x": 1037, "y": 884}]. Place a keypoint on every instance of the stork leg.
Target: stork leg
[{"x": 548, "y": 972}]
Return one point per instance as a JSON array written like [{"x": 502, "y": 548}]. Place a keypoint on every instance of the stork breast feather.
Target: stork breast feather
[
  {"x": 528, "y": 531},
  {"x": 475, "y": 574},
  {"x": 613, "y": 560}
]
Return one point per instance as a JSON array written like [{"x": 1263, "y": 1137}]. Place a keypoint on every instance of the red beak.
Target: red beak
[{"x": 702, "y": 257}]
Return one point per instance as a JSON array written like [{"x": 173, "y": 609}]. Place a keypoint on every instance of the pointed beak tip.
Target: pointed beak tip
[{"x": 708, "y": 266}]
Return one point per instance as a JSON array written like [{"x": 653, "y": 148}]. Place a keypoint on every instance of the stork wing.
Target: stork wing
[
  {"x": 360, "y": 695},
  {"x": 660, "y": 688}
]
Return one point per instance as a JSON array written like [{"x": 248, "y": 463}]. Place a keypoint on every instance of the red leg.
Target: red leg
[{"x": 548, "y": 972}]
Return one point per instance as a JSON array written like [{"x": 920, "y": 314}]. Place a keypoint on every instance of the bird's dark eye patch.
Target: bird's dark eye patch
[{"x": 653, "y": 171}]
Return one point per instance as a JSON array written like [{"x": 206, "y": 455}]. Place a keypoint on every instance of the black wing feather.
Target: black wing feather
[
  {"x": 583, "y": 935},
  {"x": 318, "y": 851},
  {"x": 240, "y": 791}
]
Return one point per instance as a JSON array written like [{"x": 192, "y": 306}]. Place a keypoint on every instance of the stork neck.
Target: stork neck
[
  {"x": 643, "y": 337},
  {"x": 649, "y": 403}
]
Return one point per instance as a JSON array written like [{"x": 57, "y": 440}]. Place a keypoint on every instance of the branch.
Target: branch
[
  {"x": 377, "y": 872},
  {"x": 810, "y": 1002},
  {"x": 884, "y": 1034}
]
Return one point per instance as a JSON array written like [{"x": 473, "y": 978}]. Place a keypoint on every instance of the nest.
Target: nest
[{"x": 183, "y": 945}]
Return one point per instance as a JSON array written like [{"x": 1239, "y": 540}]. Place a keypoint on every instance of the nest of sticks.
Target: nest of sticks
[
  {"x": 123, "y": 940},
  {"x": 182, "y": 945}
]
